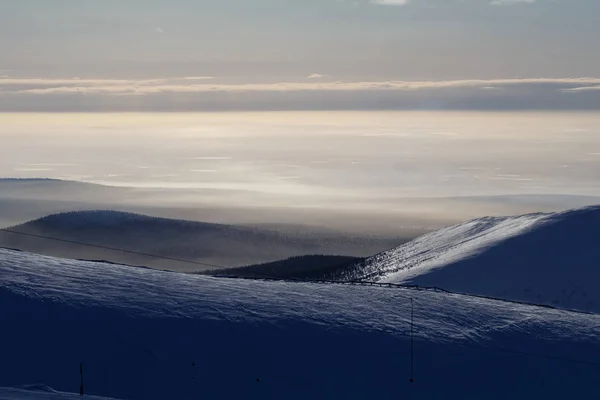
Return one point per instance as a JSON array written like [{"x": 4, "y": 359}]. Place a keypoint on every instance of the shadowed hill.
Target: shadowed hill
[
  {"x": 301, "y": 267},
  {"x": 217, "y": 244}
]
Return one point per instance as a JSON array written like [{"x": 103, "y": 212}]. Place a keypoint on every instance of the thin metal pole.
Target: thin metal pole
[
  {"x": 81, "y": 376},
  {"x": 412, "y": 353}
]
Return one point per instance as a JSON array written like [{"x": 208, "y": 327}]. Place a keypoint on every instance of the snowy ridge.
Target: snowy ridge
[
  {"x": 145, "y": 334},
  {"x": 41, "y": 393},
  {"x": 549, "y": 259}
]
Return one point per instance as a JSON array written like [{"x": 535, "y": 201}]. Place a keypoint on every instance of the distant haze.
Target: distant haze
[
  {"x": 344, "y": 159},
  {"x": 353, "y": 167}
]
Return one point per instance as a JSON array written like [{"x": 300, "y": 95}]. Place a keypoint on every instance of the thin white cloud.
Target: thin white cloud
[
  {"x": 198, "y": 78},
  {"x": 315, "y": 76},
  {"x": 582, "y": 89},
  {"x": 510, "y": 2},
  {"x": 390, "y": 2},
  {"x": 406, "y": 2},
  {"x": 492, "y": 2},
  {"x": 181, "y": 85},
  {"x": 74, "y": 81}
]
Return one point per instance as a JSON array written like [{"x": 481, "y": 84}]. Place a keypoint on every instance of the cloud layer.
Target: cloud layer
[
  {"x": 38, "y": 86},
  {"x": 314, "y": 92}
]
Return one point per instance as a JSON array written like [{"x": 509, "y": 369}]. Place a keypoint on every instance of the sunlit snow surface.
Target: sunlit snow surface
[
  {"x": 551, "y": 259},
  {"x": 145, "y": 334}
]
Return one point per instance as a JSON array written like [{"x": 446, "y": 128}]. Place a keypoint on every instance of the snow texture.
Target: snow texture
[
  {"x": 41, "y": 392},
  {"x": 551, "y": 259},
  {"x": 145, "y": 334}
]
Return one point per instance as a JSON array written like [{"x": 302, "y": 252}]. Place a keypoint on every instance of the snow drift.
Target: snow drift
[
  {"x": 146, "y": 334},
  {"x": 551, "y": 259}
]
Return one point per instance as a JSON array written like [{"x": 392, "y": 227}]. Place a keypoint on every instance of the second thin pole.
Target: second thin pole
[{"x": 412, "y": 347}]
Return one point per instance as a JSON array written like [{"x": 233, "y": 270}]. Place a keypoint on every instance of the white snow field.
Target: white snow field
[
  {"x": 145, "y": 334},
  {"x": 551, "y": 259}
]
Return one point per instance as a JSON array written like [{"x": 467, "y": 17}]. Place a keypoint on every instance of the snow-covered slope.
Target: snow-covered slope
[
  {"x": 145, "y": 334},
  {"x": 41, "y": 392},
  {"x": 551, "y": 259}
]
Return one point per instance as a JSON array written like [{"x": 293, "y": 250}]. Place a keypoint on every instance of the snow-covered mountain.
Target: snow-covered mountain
[
  {"x": 146, "y": 334},
  {"x": 551, "y": 259},
  {"x": 200, "y": 242}
]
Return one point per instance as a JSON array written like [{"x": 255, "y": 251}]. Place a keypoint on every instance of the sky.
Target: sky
[{"x": 193, "y": 55}]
